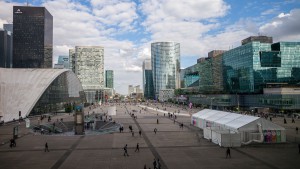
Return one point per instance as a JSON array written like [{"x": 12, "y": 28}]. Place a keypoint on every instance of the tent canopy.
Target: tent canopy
[{"x": 234, "y": 121}]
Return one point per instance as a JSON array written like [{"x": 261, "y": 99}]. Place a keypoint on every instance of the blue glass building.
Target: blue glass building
[
  {"x": 165, "y": 61},
  {"x": 251, "y": 67},
  {"x": 148, "y": 80}
]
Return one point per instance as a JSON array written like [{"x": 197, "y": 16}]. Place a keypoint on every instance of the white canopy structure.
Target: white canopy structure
[
  {"x": 250, "y": 128},
  {"x": 21, "y": 89}
]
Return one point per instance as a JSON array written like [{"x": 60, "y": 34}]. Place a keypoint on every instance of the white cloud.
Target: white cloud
[
  {"x": 285, "y": 26},
  {"x": 6, "y": 14},
  {"x": 185, "y": 22},
  {"x": 115, "y": 13},
  {"x": 270, "y": 11}
]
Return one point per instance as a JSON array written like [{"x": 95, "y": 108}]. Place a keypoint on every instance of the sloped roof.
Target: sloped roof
[
  {"x": 20, "y": 89},
  {"x": 242, "y": 121}
]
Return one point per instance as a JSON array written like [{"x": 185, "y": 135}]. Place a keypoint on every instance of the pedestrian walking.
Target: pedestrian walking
[
  {"x": 125, "y": 150},
  {"x": 155, "y": 130},
  {"x": 158, "y": 165},
  {"x": 297, "y": 130},
  {"x": 137, "y": 149},
  {"x": 14, "y": 144},
  {"x": 157, "y": 121},
  {"x": 228, "y": 153},
  {"x": 46, "y": 147},
  {"x": 181, "y": 125},
  {"x": 11, "y": 143},
  {"x": 293, "y": 120},
  {"x": 154, "y": 164},
  {"x": 140, "y": 133},
  {"x": 284, "y": 121}
]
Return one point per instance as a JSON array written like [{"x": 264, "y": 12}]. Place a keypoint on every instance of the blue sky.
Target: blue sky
[{"x": 126, "y": 28}]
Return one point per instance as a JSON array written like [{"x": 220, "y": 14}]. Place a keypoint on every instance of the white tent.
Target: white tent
[
  {"x": 224, "y": 138},
  {"x": 250, "y": 128}
]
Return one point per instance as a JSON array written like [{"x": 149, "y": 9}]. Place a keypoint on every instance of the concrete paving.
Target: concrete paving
[{"x": 176, "y": 148}]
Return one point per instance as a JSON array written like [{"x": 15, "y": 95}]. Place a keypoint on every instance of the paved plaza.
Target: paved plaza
[{"x": 175, "y": 147}]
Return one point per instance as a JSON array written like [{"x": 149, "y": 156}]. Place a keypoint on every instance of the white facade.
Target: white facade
[
  {"x": 88, "y": 65},
  {"x": 130, "y": 90},
  {"x": 165, "y": 94}
]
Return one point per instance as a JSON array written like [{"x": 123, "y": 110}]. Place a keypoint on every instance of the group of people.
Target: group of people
[
  {"x": 156, "y": 164},
  {"x": 137, "y": 149}
]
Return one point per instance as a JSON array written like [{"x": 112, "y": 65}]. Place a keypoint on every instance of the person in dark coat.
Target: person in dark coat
[
  {"x": 125, "y": 150},
  {"x": 46, "y": 147},
  {"x": 228, "y": 153},
  {"x": 154, "y": 164},
  {"x": 137, "y": 148}
]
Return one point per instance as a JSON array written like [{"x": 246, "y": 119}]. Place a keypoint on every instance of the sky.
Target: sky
[{"x": 126, "y": 28}]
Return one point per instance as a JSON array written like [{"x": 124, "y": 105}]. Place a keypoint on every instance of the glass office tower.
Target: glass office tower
[
  {"x": 251, "y": 67},
  {"x": 165, "y": 60},
  {"x": 64, "y": 60},
  {"x": 109, "y": 79},
  {"x": 191, "y": 76},
  {"x": 32, "y": 37},
  {"x": 148, "y": 80}
]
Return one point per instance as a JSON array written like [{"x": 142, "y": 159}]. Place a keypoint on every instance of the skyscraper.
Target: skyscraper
[
  {"x": 72, "y": 59},
  {"x": 32, "y": 37},
  {"x": 165, "y": 62},
  {"x": 148, "y": 80},
  {"x": 89, "y": 68},
  {"x": 109, "y": 79},
  {"x": 5, "y": 49}
]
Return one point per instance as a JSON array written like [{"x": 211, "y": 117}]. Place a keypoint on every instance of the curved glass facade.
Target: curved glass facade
[
  {"x": 165, "y": 61},
  {"x": 65, "y": 89}
]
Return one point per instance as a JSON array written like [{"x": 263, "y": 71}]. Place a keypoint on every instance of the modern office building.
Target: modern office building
[
  {"x": 89, "y": 68},
  {"x": 165, "y": 94},
  {"x": 62, "y": 62},
  {"x": 72, "y": 59},
  {"x": 191, "y": 76},
  {"x": 130, "y": 90},
  {"x": 32, "y": 37},
  {"x": 211, "y": 72},
  {"x": 261, "y": 39},
  {"x": 165, "y": 63},
  {"x": 148, "y": 80},
  {"x": 8, "y": 27},
  {"x": 215, "y": 53},
  {"x": 135, "y": 92},
  {"x": 37, "y": 91},
  {"x": 109, "y": 79},
  {"x": 253, "y": 66},
  {"x": 5, "y": 49},
  {"x": 6, "y": 46},
  {"x": 257, "y": 75}
]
